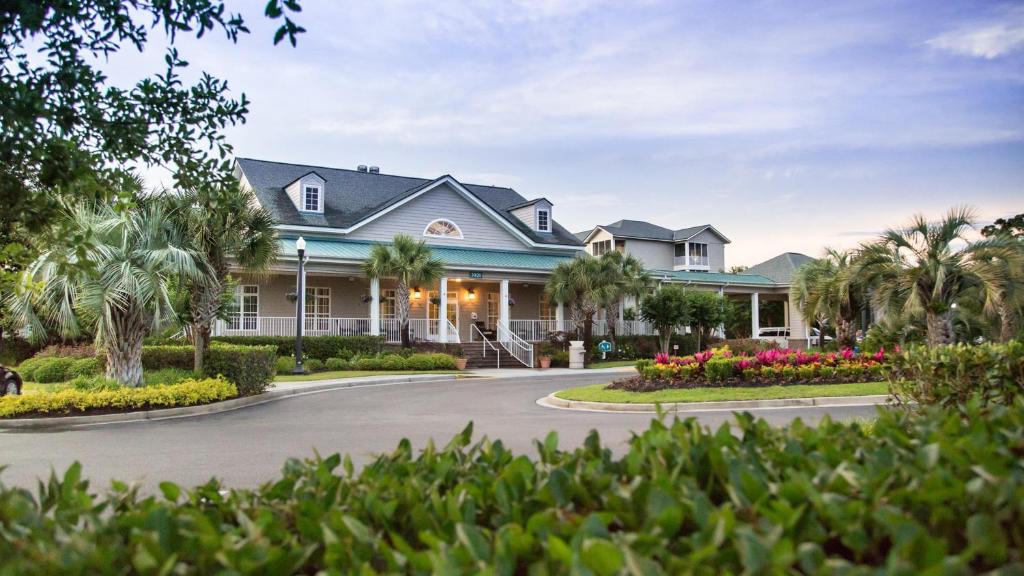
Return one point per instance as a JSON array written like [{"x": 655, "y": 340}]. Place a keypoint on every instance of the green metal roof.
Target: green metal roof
[
  {"x": 462, "y": 257},
  {"x": 713, "y": 277}
]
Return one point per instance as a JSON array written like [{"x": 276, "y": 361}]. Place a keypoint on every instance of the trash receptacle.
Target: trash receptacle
[{"x": 576, "y": 352}]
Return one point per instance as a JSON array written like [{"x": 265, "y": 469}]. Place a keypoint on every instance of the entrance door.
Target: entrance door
[{"x": 453, "y": 311}]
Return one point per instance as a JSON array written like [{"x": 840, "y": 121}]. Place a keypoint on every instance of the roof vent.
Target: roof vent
[
  {"x": 374, "y": 169},
  {"x": 361, "y": 168}
]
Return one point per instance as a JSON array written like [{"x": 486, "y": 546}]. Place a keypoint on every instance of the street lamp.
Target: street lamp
[{"x": 300, "y": 306}]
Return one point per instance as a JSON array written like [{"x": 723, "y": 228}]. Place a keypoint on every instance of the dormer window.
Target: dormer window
[
  {"x": 544, "y": 220},
  {"x": 311, "y": 195},
  {"x": 443, "y": 229}
]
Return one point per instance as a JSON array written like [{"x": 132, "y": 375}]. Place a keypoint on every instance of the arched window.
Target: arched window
[{"x": 443, "y": 229}]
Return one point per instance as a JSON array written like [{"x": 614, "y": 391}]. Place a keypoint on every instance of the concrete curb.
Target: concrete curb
[
  {"x": 552, "y": 401},
  {"x": 273, "y": 395}
]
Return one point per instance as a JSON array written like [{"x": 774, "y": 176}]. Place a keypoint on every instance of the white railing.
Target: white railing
[
  {"x": 389, "y": 329},
  {"x": 519, "y": 349},
  {"x": 453, "y": 333},
  {"x": 474, "y": 331},
  {"x": 536, "y": 330}
]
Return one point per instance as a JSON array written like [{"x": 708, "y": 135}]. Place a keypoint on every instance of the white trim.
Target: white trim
[
  {"x": 456, "y": 226},
  {"x": 443, "y": 180},
  {"x": 319, "y": 197},
  {"x": 547, "y": 217},
  {"x": 713, "y": 229},
  {"x": 594, "y": 231}
]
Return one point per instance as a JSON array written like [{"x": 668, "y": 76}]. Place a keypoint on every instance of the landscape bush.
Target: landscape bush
[
  {"x": 67, "y": 351},
  {"x": 928, "y": 493},
  {"x": 85, "y": 367},
  {"x": 635, "y": 347},
  {"x": 747, "y": 346},
  {"x": 337, "y": 364},
  {"x": 250, "y": 368},
  {"x": 312, "y": 365},
  {"x": 319, "y": 347},
  {"x": 15, "y": 350},
  {"x": 948, "y": 375},
  {"x": 284, "y": 364},
  {"x": 182, "y": 357},
  {"x": 46, "y": 370},
  {"x": 72, "y": 400}
]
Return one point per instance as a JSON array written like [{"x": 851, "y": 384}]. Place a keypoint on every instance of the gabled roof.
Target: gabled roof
[
  {"x": 646, "y": 231},
  {"x": 685, "y": 234},
  {"x": 780, "y": 268},
  {"x": 311, "y": 172},
  {"x": 352, "y": 196},
  {"x": 583, "y": 234},
  {"x": 530, "y": 203}
]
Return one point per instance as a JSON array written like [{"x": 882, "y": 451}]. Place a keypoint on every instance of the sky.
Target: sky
[{"x": 788, "y": 125}]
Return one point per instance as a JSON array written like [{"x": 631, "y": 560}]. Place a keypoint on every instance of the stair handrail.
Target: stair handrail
[
  {"x": 487, "y": 343},
  {"x": 517, "y": 347},
  {"x": 453, "y": 333}
]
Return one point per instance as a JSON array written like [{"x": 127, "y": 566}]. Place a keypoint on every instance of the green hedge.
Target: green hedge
[
  {"x": 181, "y": 357},
  {"x": 948, "y": 375},
  {"x": 319, "y": 347},
  {"x": 251, "y": 368},
  {"x": 636, "y": 347},
  {"x": 933, "y": 493}
]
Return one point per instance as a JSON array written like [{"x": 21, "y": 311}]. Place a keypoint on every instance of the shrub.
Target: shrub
[
  {"x": 560, "y": 359},
  {"x": 443, "y": 362},
  {"x": 747, "y": 346},
  {"x": 367, "y": 363},
  {"x": 250, "y": 368},
  {"x": 392, "y": 362},
  {"x": 312, "y": 365},
  {"x": 718, "y": 369},
  {"x": 284, "y": 364},
  {"x": 50, "y": 369},
  {"x": 319, "y": 347},
  {"x": 335, "y": 364},
  {"x": 68, "y": 351},
  {"x": 948, "y": 375},
  {"x": 681, "y": 499},
  {"x": 14, "y": 350},
  {"x": 181, "y": 357},
  {"x": 166, "y": 376},
  {"x": 84, "y": 367},
  {"x": 420, "y": 361},
  {"x": 73, "y": 401}
]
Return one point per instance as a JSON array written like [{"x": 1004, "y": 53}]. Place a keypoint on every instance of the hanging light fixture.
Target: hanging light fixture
[
  {"x": 471, "y": 295},
  {"x": 416, "y": 293}
]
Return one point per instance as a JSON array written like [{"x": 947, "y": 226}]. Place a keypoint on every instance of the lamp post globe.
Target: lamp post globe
[{"x": 300, "y": 304}]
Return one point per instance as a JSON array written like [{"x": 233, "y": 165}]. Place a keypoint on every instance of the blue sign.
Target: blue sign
[
  {"x": 604, "y": 346},
  {"x": 476, "y": 274}
]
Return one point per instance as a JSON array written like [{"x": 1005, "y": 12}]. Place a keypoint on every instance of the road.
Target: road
[{"x": 248, "y": 446}]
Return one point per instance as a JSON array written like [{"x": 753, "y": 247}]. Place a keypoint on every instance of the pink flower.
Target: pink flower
[{"x": 661, "y": 358}]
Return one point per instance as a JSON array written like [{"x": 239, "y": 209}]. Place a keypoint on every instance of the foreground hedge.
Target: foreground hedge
[
  {"x": 72, "y": 401},
  {"x": 251, "y": 368},
  {"x": 934, "y": 494},
  {"x": 948, "y": 375},
  {"x": 319, "y": 347}
]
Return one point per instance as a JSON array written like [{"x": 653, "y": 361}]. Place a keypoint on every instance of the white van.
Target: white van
[{"x": 781, "y": 335}]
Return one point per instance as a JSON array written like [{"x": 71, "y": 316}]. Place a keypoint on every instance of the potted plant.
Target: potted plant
[
  {"x": 544, "y": 356},
  {"x": 460, "y": 357}
]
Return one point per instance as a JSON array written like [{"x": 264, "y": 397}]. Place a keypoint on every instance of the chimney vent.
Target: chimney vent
[
  {"x": 374, "y": 169},
  {"x": 361, "y": 168}
]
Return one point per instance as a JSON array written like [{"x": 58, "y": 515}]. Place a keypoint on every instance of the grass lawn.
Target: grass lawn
[
  {"x": 611, "y": 363},
  {"x": 598, "y": 393},
  {"x": 331, "y": 375}
]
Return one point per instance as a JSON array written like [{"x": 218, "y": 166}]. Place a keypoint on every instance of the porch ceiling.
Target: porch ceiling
[{"x": 350, "y": 250}]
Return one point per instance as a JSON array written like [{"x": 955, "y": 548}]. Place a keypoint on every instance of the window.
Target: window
[
  {"x": 680, "y": 250},
  {"x": 387, "y": 303},
  {"x": 318, "y": 308},
  {"x": 311, "y": 198},
  {"x": 698, "y": 254},
  {"x": 442, "y": 229},
  {"x": 492, "y": 310},
  {"x": 433, "y": 310},
  {"x": 601, "y": 247},
  {"x": 543, "y": 221},
  {"x": 547, "y": 311},
  {"x": 247, "y": 306}
]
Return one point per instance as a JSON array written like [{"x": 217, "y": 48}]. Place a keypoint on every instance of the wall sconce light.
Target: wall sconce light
[
  {"x": 416, "y": 293},
  {"x": 471, "y": 295}
]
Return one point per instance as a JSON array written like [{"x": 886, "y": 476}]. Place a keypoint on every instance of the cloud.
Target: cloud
[{"x": 987, "y": 40}]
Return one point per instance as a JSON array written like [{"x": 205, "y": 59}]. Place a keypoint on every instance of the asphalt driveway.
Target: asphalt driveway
[{"x": 248, "y": 446}]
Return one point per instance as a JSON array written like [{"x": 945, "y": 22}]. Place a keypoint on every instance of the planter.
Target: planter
[
  {"x": 544, "y": 362},
  {"x": 460, "y": 363}
]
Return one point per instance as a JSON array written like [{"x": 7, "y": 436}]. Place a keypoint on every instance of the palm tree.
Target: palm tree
[
  {"x": 226, "y": 227},
  {"x": 822, "y": 290},
  {"x": 118, "y": 274},
  {"x": 921, "y": 270},
  {"x": 627, "y": 278},
  {"x": 410, "y": 263},
  {"x": 1011, "y": 301},
  {"x": 584, "y": 284}
]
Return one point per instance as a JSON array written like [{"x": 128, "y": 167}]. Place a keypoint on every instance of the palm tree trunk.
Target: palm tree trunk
[
  {"x": 611, "y": 319},
  {"x": 402, "y": 303},
  {"x": 1005, "y": 323},
  {"x": 204, "y": 303},
  {"x": 940, "y": 328},
  {"x": 588, "y": 331},
  {"x": 124, "y": 344}
]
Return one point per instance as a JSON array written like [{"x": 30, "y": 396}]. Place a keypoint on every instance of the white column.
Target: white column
[
  {"x": 442, "y": 313},
  {"x": 686, "y": 255},
  {"x": 503, "y": 314},
  {"x": 560, "y": 317},
  {"x": 622, "y": 312},
  {"x": 721, "y": 327},
  {"x": 374, "y": 307},
  {"x": 785, "y": 315},
  {"x": 755, "y": 323}
]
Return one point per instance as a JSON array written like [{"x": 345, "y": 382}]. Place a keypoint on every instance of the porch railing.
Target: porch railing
[
  {"x": 517, "y": 347},
  {"x": 419, "y": 328}
]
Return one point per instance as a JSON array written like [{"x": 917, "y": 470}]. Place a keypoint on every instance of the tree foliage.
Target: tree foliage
[
  {"x": 66, "y": 131},
  {"x": 666, "y": 309},
  {"x": 410, "y": 263}
]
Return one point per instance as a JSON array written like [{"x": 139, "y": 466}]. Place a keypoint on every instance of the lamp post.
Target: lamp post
[{"x": 300, "y": 306}]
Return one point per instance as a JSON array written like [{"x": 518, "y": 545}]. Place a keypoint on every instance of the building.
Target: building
[{"x": 498, "y": 248}]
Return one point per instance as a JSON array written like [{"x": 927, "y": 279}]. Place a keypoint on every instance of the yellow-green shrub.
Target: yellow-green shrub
[{"x": 71, "y": 401}]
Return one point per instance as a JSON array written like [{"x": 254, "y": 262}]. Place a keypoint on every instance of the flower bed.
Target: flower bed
[
  {"x": 721, "y": 367},
  {"x": 73, "y": 401}
]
